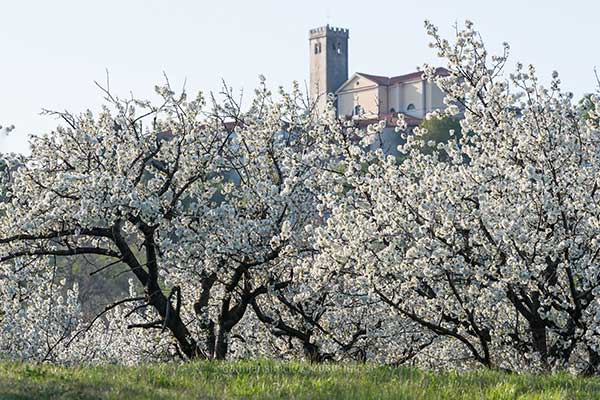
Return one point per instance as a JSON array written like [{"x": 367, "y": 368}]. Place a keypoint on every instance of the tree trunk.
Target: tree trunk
[
  {"x": 221, "y": 343},
  {"x": 593, "y": 362},
  {"x": 538, "y": 336}
]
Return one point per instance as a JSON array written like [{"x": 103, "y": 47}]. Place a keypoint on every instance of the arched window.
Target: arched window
[
  {"x": 317, "y": 48},
  {"x": 357, "y": 109},
  {"x": 337, "y": 47},
  {"x": 410, "y": 107},
  {"x": 392, "y": 110}
]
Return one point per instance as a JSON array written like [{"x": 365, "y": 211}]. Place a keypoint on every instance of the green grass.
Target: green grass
[{"x": 277, "y": 380}]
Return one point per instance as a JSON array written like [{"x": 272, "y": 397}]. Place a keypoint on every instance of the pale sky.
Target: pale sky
[{"x": 51, "y": 51}]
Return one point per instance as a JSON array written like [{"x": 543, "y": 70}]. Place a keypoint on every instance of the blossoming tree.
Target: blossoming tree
[{"x": 205, "y": 207}]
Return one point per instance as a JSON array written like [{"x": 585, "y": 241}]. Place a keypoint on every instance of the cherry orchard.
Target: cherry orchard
[
  {"x": 206, "y": 206},
  {"x": 494, "y": 249},
  {"x": 277, "y": 232}
]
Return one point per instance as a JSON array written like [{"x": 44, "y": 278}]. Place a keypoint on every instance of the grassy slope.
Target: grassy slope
[{"x": 272, "y": 380}]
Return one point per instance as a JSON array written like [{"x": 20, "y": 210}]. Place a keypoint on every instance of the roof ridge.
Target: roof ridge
[
  {"x": 378, "y": 76},
  {"x": 385, "y": 80}
]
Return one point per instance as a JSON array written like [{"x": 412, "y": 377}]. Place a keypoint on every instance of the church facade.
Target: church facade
[{"x": 364, "y": 97}]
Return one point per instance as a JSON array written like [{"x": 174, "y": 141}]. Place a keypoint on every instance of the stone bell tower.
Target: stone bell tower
[{"x": 328, "y": 62}]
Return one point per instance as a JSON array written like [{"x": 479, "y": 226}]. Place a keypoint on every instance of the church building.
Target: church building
[{"x": 364, "y": 97}]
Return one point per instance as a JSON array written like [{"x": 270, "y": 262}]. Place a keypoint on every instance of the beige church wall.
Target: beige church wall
[
  {"x": 357, "y": 82},
  {"x": 376, "y": 100},
  {"x": 394, "y": 98},
  {"x": 368, "y": 99},
  {"x": 345, "y": 104},
  {"x": 413, "y": 94},
  {"x": 383, "y": 100},
  {"x": 360, "y": 83},
  {"x": 361, "y": 91},
  {"x": 435, "y": 97}
]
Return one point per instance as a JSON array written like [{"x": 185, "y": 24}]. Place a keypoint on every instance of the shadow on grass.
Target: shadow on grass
[{"x": 49, "y": 389}]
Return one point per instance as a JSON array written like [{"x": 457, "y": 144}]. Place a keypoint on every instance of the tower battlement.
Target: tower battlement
[{"x": 329, "y": 30}]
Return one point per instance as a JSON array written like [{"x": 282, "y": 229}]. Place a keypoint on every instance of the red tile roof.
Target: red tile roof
[
  {"x": 386, "y": 81},
  {"x": 380, "y": 80}
]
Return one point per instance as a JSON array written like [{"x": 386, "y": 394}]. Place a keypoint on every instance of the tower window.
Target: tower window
[
  {"x": 357, "y": 109},
  {"x": 317, "y": 48},
  {"x": 337, "y": 47}
]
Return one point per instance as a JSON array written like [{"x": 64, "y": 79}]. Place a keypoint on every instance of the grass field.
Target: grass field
[{"x": 274, "y": 380}]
